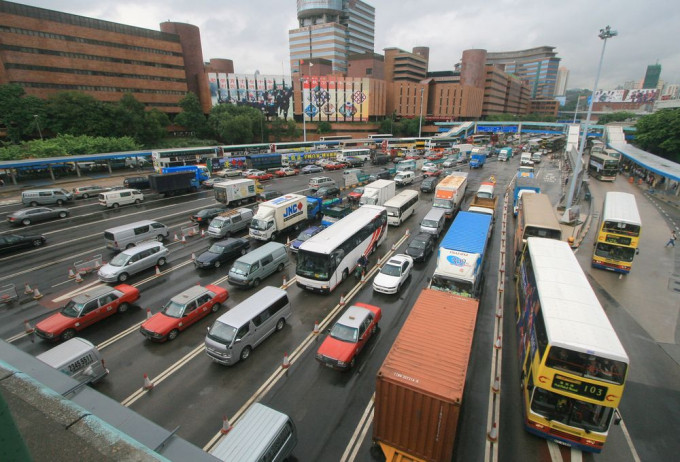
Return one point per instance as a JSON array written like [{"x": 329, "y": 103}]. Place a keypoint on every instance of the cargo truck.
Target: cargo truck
[
  {"x": 277, "y": 216},
  {"x": 236, "y": 191},
  {"x": 201, "y": 172},
  {"x": 420, "y": 385},
  {"x": 523, "y": 185},
  {"x": 411, "y": 165},
  {"x": 378, "y": 192},
  {"x": 460, "y": 258},
  {"x": 449, "y": 193},
  {"x": 478, "y": 157},
  {"x": 484, "y": 200},
  {"x": 505, "y": 154},
  {"x": 173, "y": 183},
  {"x": 316, "y": 206}
]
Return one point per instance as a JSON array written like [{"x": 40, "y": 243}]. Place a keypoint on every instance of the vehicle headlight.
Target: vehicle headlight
[
  {"x": 319, "y": 356},
  {"x": 342, "y": 363},
  {"x": 49, "y": 334}
]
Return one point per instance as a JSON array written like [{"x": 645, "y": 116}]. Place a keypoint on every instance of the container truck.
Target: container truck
[
  {"x": 420, "y": 385},
  {"x": 523, "y": 185},
  {"x": 236, "y": 191},
  {"x": 378, "y": 192},
  {"x": 449, "y": 193},
  {"x": 200, "y": 171},
  {"x": 316, "y": 206},
  {"x": 505, "y": 154},
  {"x": 411, "y": 165},
  {"x": 173, "y": 183},
  {"x": 460, "y": 258},
  {"x": 280, "y": 215},
  {"x": 478, "y": 157}
]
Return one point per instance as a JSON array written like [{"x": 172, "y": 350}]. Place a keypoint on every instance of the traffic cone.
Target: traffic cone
[
  {"x": 288, "y": 241},
  {"x": 496, "y": 388},
  {"x": 148, "y": 313},
  {"x": 316, "y": 328},
  {"x": 193, "y": 256},
  {"x": 226, "y": 426},
  {"x": 36, "y": 294},
  {"x": 498, "y": 343},
  {"x": 203, "y": 233},
  {"x": 363, "y": 276},
  {"x": 394, "y": 247},
  {"x": 158, "y": 271},
  {"x": 286, "y": 361},
  {"x": 79, "y": 278},
  {"x": 408, "y": 232},
  {"x": 342, "y": 300},
  {"x": 27, "y": 289},
  {"x": 176, "y": 239},
  {"x": 493, "y": 434},
  {"x": 499, "y": 312},
  {"x": 27, "y": 328},
  {"x": 184, "y": 239},
  {"x": 285, "y": 281},
  {"x": 148, "y": 384},
  {"x": 71, "y": 274}
]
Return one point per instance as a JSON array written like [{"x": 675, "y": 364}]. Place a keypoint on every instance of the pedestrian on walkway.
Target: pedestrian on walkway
[{"x": 671, "y": 241}]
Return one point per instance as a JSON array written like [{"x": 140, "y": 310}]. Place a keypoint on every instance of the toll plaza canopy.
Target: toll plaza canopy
[{"x": 658, "y": 165}]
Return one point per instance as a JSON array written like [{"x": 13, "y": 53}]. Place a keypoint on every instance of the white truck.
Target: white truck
[
  {"x": 449, "y": 193},
  {"x": 410, "y": 165},
  {"x": 378, "y": 192},
  {"x": 283, "y": 214},
  {"x": 235, "y": 191}
]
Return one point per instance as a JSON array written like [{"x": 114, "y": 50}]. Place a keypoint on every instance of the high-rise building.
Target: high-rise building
[
  {"x": 652, "y": 76},
  {"x": 562, "y": 79},
  {"x": 332, "y": 30},
  {"x": 401, "y": 65},
  {"x": 536, "y": 67}
]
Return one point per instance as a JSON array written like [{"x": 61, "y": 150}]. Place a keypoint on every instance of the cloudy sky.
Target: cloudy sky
[{"x": 254, "y": 33}]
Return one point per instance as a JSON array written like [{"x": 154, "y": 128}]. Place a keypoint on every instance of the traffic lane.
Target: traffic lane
[{"x": 307, "y": 309}]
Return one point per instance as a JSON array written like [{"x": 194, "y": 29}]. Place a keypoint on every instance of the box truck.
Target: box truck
[
  {"x": 283, "y": 214},
  {"x": 449, "y": 193},
  {"x": 173, "y": 183},
  {"x": 378, "y": 192},
  {"x": 235, "y": 191}
]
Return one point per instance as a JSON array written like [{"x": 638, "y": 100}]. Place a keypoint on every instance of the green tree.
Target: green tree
[
  {"x": 621, "y": 116},
  {"x": 18, "y": 113},
  {"x": 324, "y": 127},
  {"x": 75, "y": 113},
  {"x": 192, "y": 117},
  {"x": 659, "y": 133}
]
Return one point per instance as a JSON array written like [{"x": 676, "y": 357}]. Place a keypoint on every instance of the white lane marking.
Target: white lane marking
[
  {"x": 77, "y": 291},
  {"x": 355, "y": 441},
  {"x": 555, "y": 454}
]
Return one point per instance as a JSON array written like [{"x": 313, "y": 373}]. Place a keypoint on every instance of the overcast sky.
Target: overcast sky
[{"x": 254, "y": 33}]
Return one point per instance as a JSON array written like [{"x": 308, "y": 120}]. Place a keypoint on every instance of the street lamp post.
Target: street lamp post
[
  {"x": 420, "y": 121},
  {"x": 37, "y": 123},
  {"x": 604, "y": 34},
  {"x": 302, "y": 100},
  {"x": 578, "y": 101}
]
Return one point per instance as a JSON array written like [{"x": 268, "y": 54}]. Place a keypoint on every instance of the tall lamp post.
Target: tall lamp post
[
  {"x": 37, "y": 123},
  {"x": 604, "y": 34},
  {"x": 578, "y": 101},
  {"x": 302, "y": 100},
  {"x": 420, "y": 121}
]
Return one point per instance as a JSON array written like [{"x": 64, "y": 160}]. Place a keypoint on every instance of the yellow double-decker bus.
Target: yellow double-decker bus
[
  {"x": 573, "y": 365},
  {"x": 618, "y": 233}
]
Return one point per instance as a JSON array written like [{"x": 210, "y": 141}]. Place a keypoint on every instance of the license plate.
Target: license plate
[{"x": 328, "y": 365}]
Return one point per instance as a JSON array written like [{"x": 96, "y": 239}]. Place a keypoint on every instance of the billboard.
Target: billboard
[
  {"x": 271, "y": 94},
  {"x": 335, "y": 99},
  {"x": 647, "y": 95},
  {"x": 609, "y": 96}
]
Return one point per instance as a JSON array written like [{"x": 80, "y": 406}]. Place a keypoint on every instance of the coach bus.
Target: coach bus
[
  {"x": 381, "y": 136},
  {"x": 325, "y": 260},
  {"x": 535, "y": 218},
  {"x": 573, "y": 366},
  {"x": 183, "y": 156},
  {"x": 618, "y": 233},
  {"x": 603, "y": 166}
]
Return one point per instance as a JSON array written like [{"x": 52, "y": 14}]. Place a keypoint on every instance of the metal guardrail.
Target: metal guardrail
[
  {"x": 88, "y": 265},
  {"x": 8, "y": 293}
]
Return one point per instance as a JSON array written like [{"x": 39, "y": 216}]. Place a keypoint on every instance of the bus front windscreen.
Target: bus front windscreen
[{"x": 313, "y": 265}]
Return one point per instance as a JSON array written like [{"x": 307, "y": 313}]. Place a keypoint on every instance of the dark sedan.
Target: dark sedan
[
  {"x": 203, "y": 216},
  {"x": 11, "y": 242},
  {"x": 421, "y": 246},
  {"x": 27, "y": 216},
  {"x": 221, "y": 252}
]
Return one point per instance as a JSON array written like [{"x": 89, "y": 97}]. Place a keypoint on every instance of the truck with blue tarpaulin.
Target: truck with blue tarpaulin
[
  {"x": 316, "y": 206},
  {"x": 460, "y": 258},
  {"x": 201, "y": 172}
]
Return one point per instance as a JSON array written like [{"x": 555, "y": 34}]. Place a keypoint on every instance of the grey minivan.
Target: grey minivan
[
  {"x": 433, "y": 222},
  {"x": 50, "y": 196},
  {"x": 227, "y": 223},
  {"x": 233, "y": 335},
  {"x": 251, "y": 269},
  {"x": 131, "y": 261}
]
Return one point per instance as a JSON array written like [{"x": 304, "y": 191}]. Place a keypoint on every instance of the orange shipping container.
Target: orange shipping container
[{"x": 419, "y": 388}]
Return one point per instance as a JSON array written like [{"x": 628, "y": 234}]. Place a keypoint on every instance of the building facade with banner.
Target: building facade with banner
[
  {"x": 271, "y": 94},
  {"x": 341, "y": 99}
]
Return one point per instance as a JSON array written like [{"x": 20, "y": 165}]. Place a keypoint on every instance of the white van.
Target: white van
[
  {"x": 525, "y": 159},
  {"x": 120, "y": 197},
  {"x": 262, "y": 434},
  {"x": 76, "y": 358},
  {"x": 50, "y": 196},
  {"x": 404, "y": 178},
  {"x": 319, "y": 181},
  {"x": 233, "y": 335},
  {"x": 126, "y": 236},
  {"x": 401, "y": 206}
]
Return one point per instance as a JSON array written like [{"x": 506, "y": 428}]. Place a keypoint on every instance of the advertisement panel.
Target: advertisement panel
[
  {"x": 335, "y": 98},
  {"x": 646, "y": 95},
  {"x": 609, "y": 96},
  {"x": 271, "y": 94}
]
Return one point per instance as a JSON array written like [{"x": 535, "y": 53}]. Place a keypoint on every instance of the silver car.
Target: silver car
[
  {"x": 133, "y": 260},
  {"x": 26, "y": 217},
  {"x": 84, "y": 192}
]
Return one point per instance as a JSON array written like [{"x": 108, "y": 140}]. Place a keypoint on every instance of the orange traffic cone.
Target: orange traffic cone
[
  {"x": 176, "y": 238},
  {"x": 148, "y": 384},
  {"x": 498, "y": 343},
  {"x": 285, "y": 281},
  {"x": 226, "y": 426},
  {"x": 496, "y": 388},
  {"x": 27, "y": 289},
  {"x": 27, "y": 328},
  {"x": 286, "y": 361},
  {"x": 316, "y": 327},
  {"x": 36, "y": 294},
  {"x": 71, "y": 274},
  {"x": 193, "y": 256},
  {"x": 158, "y": 271},
  {"x": 79, "y": 278},
  {"x": 148, "y": 313},
  {"x": 203, "y": 233},
  {"x": 184, "y": 239},
  {"x": 493, "y": 434},
  {"x": 342, "y": 300}
]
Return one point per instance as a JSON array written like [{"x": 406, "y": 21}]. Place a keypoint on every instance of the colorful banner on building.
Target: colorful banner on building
[
  {"x": 271, "y": 94},
  {"x": 647, "y": 95},
  {"x": 609, "y": 96},
  {"x": 335, "y": 99}
]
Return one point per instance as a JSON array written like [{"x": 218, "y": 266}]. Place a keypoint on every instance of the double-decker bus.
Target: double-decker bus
[
  {"x": 603, "y": 166},
  {"x": 573, "y": 365},
  {"x": 325, "y": 260},
  {"x": 618, "y": 233},
  {"x": 535, "y": 218},
  {"x": 177, "y": 157}
]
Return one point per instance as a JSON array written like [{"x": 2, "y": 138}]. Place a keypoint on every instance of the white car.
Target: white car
[
  {"x": 429, "y": 167},
  {"x": 251, "y": 171},
  {"x": 393, "y": 274}
]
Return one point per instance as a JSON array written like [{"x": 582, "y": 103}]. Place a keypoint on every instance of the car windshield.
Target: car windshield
[
  {"x": 358, "y": 191},
  {"x": 345, "y": 333},
  {"x": 119, "y": 260},
  {"x": 173, "y": 309},
  {"x": 240, "y": 268},
  {"x": 259, "y": 225},
  {"x": 313, "y": 265},
  {"x": 442, "y": 203},
  {"x": 216, "y": 248},
  {"x": 430, "y": 223},
  {"x": 306, "y": 234},
  {"x": 72, "y": 309},
  {"x": 391, "y": 270},
  {"x": 418, "y": 244},
  {"x": 216, "y": 224},
  {"x": 222, "y": 333}
]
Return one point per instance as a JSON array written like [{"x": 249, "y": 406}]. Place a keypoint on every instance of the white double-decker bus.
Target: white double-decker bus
[{"x": 328, "y": 258}]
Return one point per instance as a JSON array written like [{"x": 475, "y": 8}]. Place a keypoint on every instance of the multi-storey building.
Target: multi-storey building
[
  {"x": 332, "y": 30},
  {"x": 562, "y": 79},
  {"x": 652, "y": 76},
  {"x": 401, "y": 65},
  {"x": 536, "y": 67},
  {"x": 48, "y": 51}
]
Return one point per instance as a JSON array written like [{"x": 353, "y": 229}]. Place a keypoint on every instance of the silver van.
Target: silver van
[
  {"x": 229, "y": 222},
  {"x": 433, "y": 222},
  {"x": 319, "y": 181},
  {"x": 127, "y": 236},
  {"x": 76, "y": 358},
  {"x": 262, "y": 434},
  {"x": 251, "y": 269},
  {"x": 131, "y": 261},
  {"x": 233, "y": 335},
  {"x": 51, "y": 196}
]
